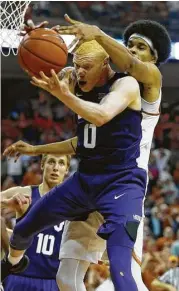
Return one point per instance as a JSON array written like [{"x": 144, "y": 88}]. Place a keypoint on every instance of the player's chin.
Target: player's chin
[
  {"x": 86, "y": 88},
  {"x": 54, "y": 180}
]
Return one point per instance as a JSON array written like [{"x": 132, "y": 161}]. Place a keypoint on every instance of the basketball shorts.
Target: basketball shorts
[
  {"x": 117, "y": 196},
  {"x": 20, "y": 283}
]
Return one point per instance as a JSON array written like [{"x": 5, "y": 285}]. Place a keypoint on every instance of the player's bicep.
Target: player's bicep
[{"x": 123, "y": 93}]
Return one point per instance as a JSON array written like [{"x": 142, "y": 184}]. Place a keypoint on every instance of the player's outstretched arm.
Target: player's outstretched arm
[
  {"x": 142, "y": 71},
  {"x": 67, "y": 147}
]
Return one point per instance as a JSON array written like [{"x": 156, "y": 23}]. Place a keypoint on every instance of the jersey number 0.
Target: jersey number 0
[{"x": 90, "y": 136}]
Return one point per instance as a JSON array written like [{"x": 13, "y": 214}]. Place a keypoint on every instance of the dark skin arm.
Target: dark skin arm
[{"x": 144, "y": 72}]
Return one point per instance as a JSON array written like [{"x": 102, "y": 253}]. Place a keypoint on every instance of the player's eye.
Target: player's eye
[
  {"x": 61, "y": 163},
  {"x": 87, "y": 67},
  {"x": 141, "y": 47}
]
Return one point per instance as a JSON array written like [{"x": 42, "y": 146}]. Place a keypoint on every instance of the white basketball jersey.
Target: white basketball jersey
[{"x": 151, "y": 113}]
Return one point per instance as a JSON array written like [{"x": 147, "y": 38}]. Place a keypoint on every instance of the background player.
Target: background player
[{"x": 44, "y": 252}]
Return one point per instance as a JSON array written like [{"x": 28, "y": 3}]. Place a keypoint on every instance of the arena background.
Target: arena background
[{"x": 36, "y": 117}]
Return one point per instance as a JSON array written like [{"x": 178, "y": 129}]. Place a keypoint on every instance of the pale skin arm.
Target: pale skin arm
[
  {"x": 9, "y": 193},
  {"x": 17, "y": 199},
  {"x": 20, "y": 203},
  {"x": 123, "y": 93},
  {"x": 168, "y": 287},
  {"x": 144, "y": 72}
]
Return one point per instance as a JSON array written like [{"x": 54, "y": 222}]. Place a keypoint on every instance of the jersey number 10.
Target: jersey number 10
[
  {"x": 90, "y": 136},
  {"x": 45, "y": 244}
]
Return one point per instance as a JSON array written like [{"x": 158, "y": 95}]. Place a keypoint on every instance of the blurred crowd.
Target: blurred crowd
[
  {"x": 44, "y": 120},
  {"x": 112, "y": 16},
  {"x": 40, "y": 120}
]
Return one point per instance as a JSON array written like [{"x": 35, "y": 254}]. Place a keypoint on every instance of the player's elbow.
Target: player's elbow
[{"x": 102, "y": 119}]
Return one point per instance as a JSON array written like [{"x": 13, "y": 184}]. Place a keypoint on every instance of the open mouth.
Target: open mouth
[
  {"x": 54, "y": 176},
  {"x": 82, "y": 83}
]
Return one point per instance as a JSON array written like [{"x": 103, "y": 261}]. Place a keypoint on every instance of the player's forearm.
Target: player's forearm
[
  {"x": 4, "y": 195},
  {"x": 118, "y": 53},
  {"x": 157, "y": 283},
  {"x": 90, "y": 111},
  {"x": 66, "y": 147}
]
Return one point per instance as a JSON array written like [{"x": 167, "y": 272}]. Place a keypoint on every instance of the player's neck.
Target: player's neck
[
  {"x": 106, "y": 75},
  {"x": 44, "y": 188}
]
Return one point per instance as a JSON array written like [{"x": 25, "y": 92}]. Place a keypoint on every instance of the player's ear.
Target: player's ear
[
  {"x": 42, "y": 166},
  {"x": 154, "y": 59},
  {"x": 67, "y": 170},
  {"x": 106, "y": 61}
]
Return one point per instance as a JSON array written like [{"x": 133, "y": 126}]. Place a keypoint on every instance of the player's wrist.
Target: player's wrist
[
  {"x": 98, "y": 33},
  {"x": 37, "y": 150}
]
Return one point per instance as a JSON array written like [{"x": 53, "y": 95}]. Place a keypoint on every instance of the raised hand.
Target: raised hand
[
  {"x": 83, "y": 32},
  {"x": 58, "y": 87},
  {"x": 31, "y": 26},
  {"x": 18, "y": 148}
]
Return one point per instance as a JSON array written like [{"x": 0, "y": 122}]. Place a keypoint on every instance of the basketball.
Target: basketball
[{"x": 42, "y": 49}]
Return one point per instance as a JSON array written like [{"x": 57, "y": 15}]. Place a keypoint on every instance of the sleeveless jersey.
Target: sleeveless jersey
[
  {"x": 44, "y": 251},
  {"x": 113, "y": 146}
]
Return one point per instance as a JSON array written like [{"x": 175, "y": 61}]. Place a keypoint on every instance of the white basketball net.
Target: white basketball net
[{"x": 12, "y": 18}]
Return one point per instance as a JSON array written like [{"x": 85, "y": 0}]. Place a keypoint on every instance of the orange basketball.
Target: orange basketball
[{"x": 42, "y": 49}]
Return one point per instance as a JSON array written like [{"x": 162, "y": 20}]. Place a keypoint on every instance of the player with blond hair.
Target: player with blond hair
[{"x": 44, "y": 251}]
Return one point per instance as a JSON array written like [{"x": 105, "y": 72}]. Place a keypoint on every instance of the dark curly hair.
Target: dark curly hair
[{"x": 154, "y": 31}]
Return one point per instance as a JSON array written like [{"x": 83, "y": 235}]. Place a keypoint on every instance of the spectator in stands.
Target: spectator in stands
[
  {"x": 162, "y": 157},
  {"x": 166, "y": 240},
  {"x": 170, "y": 191},
  {"x": 170, "y": 279},
  {"x": 175, "y": 245},
  {"x": 155, "y": 222},
  {"x": 176, "y": 174},
  {"x": 33, "y": 175},
  {"x": 151, "y": 267},
  {"x": 15, "y": 170}
]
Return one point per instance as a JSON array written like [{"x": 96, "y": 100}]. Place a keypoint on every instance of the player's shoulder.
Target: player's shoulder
[
  {"x": 154, "y": 71},
  {"x": 125, "y": 80}
]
